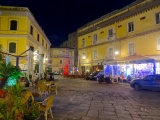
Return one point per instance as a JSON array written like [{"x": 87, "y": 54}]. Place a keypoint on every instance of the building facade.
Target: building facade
[
  {"x": 62, "y": 60},
  {"x": 125, "y": 41},
  {"x": 72, "y": 42},
  {"x": 18, "y": 31}
]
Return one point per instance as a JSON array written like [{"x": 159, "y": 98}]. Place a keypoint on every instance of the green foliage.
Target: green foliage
[
  {"x": 16, "y": 90},
  {"x": 12, "y": 108},
  {"x": 6, "y": 70},
  {"x": 33, "y": 112}
]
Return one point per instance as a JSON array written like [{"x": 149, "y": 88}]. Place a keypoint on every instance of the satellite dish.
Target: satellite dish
[{"x": 0, "y": 13}]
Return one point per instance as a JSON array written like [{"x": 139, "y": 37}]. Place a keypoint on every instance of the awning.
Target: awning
[{"x": 136, "y": 59}]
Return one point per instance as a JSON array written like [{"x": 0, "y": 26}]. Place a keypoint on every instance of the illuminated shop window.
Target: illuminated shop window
[{"x": 13, "y": 25}]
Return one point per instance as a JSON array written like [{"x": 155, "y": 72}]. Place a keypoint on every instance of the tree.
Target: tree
[{"x": 7, "y": 71}]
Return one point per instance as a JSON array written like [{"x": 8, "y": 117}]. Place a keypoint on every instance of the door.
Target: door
[
  {"x": 147, "y": 82},
  {"x": 156, "y": 83}
]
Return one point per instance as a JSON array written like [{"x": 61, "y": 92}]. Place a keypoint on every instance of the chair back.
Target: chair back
[
  {"x": 26, "y": 97},
  {"x": 42, "y": 87},
  {"x": 49, "y": 102}
]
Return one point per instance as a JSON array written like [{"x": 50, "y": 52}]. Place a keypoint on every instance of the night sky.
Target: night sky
[{"x": 58, "y": 18}]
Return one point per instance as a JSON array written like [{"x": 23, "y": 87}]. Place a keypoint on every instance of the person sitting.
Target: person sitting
[{"x": 129, "y": 78}]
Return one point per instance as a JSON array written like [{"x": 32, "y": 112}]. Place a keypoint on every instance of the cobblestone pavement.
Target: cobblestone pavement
[{"x": 79, "y": 99}]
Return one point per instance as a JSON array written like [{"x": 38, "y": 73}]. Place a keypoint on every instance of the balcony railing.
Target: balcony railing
[{"x": 66, "y": 56}]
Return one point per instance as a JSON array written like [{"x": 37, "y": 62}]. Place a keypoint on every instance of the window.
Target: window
[
  {"x": 95, "y": 39},
  {"x": 42, "y": 42},
  {"x": 61, "y": 53},
  {"x": 95, "y": 54},
  {"x": 131, "y": 49},
  {"x": 60, "y": 61},
  {"x": 150, "y": 77},
  {"x": 157, "y": 78},
  {"x": 46, "y": 46},
  {"x": 130, "y": 27},
  {"x": 158, "y": 43},
  {"x": 83, "y": 42},
  {"x": 69, "y": 62},
  {"x": 13, "y": 25},
  {"x": 110, "y": 32},
  {"x": 110, "y": 52},
  {"x": 157, "y": 15},
  {"x": 12, "y": 47},
  {"x": 31, "y": 30},
  {"x": 38, "y": 37},
  {"x": 70, "y": 53}
]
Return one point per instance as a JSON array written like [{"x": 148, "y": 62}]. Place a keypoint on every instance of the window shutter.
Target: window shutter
[{"x": 158, "y": 43}]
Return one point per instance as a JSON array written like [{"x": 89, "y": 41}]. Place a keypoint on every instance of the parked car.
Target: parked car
[
  {"x": 94, "y": 75},
  {"x": 151, "y": 82}
]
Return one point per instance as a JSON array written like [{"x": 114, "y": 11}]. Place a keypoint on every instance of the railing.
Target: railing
[{"x": 68, "y": 56}]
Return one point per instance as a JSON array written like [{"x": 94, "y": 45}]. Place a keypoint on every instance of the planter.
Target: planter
[
  {"x": 26, "y": 118},
  {"x": 2, "y": 93}
]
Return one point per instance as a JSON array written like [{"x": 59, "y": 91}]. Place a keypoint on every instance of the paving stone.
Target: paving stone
[
  {"x": 92, "y": 113},
  {"x": 89, "y": 118},
  {"x": 79, "y": 99}
]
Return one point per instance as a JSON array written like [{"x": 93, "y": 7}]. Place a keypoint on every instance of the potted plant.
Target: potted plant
[
  {"x": 12, "y": 108},
  {"x": 7, "y": 71},
  {"x": 33, "y": 112}
]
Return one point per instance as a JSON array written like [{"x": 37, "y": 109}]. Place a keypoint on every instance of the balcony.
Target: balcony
[
  {"x": 111, "y": 37},
  {"x": 64, "y": 56},
  {"x": 109, "y": 57}
]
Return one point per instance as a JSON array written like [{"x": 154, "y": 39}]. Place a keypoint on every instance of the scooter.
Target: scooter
[{"x": 101, "y": 79}]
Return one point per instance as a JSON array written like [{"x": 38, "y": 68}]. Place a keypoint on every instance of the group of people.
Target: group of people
[{"x": 34, "y": 78}]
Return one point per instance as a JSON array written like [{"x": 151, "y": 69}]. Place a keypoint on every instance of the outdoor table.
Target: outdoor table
[
  {"x": 36, "y": 99},
  {"x": 25, "y": 89}
]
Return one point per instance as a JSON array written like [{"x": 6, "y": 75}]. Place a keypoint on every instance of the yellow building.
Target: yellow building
[
  {"x": 62, "y": 60},
  {"x": 18, "y": 31},
  {"x": 125, "y": 41}
]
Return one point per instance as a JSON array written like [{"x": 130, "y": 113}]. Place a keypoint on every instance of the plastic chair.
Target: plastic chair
[{"x": 46, "y": 105}]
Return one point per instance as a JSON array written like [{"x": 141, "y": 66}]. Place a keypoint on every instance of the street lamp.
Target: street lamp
[
  {"x": 116, "y": 52},
  {"x": 84, "y": 57}
]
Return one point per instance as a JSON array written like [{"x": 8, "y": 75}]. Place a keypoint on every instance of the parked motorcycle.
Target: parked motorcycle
[{"x": 101, "y": 79}]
